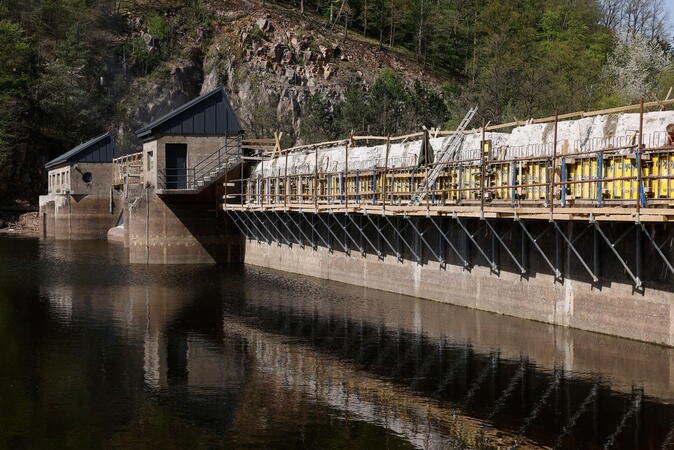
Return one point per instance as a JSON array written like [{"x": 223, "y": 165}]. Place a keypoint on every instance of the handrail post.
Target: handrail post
[
  {"x": 426, "y": 155},
  {"x": 482, "y": 171},
  {"x": 316, "y": 180},
  {"x": 554, "y": 164},
  {"x": 286, "y": 188},
  {"x": 384, "y": 187},
  {"x": 638, "y": 159},
  {"x": 346, "y": 174}
]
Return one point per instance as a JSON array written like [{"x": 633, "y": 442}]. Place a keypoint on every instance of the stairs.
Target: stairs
[
  {"x": 204, "y": 173},
  {"x": 444, "y": 156}
]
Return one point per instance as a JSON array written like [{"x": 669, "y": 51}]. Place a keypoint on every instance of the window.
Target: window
[{"x": 87, "y": 177}]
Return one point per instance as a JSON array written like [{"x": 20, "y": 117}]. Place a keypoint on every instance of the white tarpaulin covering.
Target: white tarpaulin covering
[{"x": 590, "y": 133}]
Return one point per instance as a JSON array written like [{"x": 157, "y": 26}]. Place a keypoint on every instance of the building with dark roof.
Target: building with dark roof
[
  {"x": 186, "y": 150},
  {"x": 79, "y": 202},
  {"x": 75, "y": 170}
]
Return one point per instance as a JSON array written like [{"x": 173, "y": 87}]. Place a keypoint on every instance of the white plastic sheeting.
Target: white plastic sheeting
[{"x": 590, "y": 133}]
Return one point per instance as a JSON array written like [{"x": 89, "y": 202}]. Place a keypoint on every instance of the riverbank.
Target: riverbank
[{"x": 18, "y": 221}]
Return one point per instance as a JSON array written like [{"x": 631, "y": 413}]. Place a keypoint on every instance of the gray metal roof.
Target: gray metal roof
[
  {"x": 98, "y": 149},
  {"x": 209, "y": 115}
]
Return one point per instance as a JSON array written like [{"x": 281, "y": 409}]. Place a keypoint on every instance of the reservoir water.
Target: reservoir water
[{"x": 97, "y": 353}]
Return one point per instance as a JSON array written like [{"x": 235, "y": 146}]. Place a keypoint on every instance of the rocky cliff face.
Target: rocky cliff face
[{"x": 270, "y": 61}]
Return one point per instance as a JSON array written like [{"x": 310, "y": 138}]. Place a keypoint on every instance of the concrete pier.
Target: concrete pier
[{"x": 179, "y": 229}]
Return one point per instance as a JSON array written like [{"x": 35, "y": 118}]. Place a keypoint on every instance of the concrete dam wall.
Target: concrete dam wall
[{"x": 573, "y": 231}]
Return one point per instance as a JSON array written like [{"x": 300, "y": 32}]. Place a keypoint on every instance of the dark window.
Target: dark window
[{"x": 87, "y": 177}]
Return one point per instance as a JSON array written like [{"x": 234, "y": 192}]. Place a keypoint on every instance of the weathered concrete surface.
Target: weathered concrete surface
[
  {"x": 179, "y": 229},
  {"x": 77, "y": 216},
  {"x": 87, "y": 211},
  {"x": 614, "y": 310}
]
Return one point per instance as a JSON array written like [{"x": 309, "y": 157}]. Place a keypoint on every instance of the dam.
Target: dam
[{"x": 562, "y": 219}]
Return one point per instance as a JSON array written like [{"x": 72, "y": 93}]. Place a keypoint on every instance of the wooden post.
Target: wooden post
[
  {"x": 383, "y": 189},
  {"x": 552, "y": 178},
  {"x": 346, "y": 174},
  {"x": 224, "y": 198},
  {"x": 286, "y": 188},
  {"x": 638, "y": 156},
  {"x": 241, "y": 181},
  {"x": 482, "y": 171},
  {"x": 316, "y": 180},
  {"x": 425, "y": 144}
]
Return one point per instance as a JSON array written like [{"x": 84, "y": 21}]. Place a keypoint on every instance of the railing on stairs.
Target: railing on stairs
[{"x": 204, "y": 173}]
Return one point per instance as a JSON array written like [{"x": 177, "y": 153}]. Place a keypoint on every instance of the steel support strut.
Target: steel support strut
[
  {"x": 612, "y": 246},
  {"x": 327, "y": 244},
  {"x": 475, "y": 243},
  {"x": 540, "y": 250},
  {"x": 393, "y": 249},
  {"x": 503, "y": 244},
  {"x": 400, "y": 236},
  {"x": 346, "y": 232},
  {"x": 327, "y": 226},
  {"x": 423, "y": 239},
  {"x": 449, "y": 242},
  {"x": 299, "y": 241},
  {"x": 658, "y": 248},
  {"x": 362, "y": 233},
  {"x": 240, "y": 225},
  {"x": 575, "y": 251}
]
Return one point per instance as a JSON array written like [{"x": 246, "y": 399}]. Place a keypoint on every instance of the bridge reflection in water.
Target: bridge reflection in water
[{"x": 258, "y": 356}]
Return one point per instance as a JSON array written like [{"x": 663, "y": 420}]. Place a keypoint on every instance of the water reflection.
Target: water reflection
[{"x": 98, "y": 352}]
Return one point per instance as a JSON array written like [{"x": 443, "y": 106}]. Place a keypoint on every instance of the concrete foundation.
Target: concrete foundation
[
  {"x": 179, "y": 229},
  {"x": 65, "y": 216},
  {"x": 614, "y": 308}
]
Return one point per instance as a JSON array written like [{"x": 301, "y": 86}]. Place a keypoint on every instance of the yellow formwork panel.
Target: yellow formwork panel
[
  {"x": 583, "y": 169},
  {"x": 500, "y": 176},
  {"x": 620, "y": 166},
  {"x": 662, "y": 165}
]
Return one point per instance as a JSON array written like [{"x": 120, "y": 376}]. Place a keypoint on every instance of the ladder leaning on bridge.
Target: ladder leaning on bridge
[{"x": 443, "y": 157}]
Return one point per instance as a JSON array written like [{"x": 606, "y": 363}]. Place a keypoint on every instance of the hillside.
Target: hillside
[{"x": 313, "y": 69}]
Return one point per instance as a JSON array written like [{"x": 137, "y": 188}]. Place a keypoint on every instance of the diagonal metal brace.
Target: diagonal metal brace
[
  {"x": 423, "y": 239},
  {"x": 299, "y": 241},
  {"x": 364, "y": 234},
  {"x": 402, "y": 238},
  {"x": 658, "y": 248},
  {"x": 239, "y": 225},
  {"x": 449, "y": 242},
  {"x": 346, "y": 231},
  {"x": 327, "y": 226},
  {"x": 383, "y": 236},
  {"x": 492, "y": 264},
  {"x": 575, "y": 251},
  {"x": 503, "y": 244},
  {"x": 612, "y": 245},
  {"x": 245, "y": 218},
  {"x": 327, "y": 245},
  {"x": 276, "y": 228},
  {"x": 540, "y": 250}
]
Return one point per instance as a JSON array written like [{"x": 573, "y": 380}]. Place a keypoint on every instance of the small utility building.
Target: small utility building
[
  {"x": 83, "y": 169},
  {"x": 185, "y": 150},
  {"x": 79, "y": 203}
]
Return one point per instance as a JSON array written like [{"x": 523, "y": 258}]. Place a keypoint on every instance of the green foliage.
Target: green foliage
[
  {"x": 157, "y": 26},
  {"x": 388, "y": 108}
]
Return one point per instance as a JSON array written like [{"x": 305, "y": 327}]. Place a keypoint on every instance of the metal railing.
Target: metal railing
[
  {"x": 127, "y": 169},
  {"x": 203, "y": 173}
]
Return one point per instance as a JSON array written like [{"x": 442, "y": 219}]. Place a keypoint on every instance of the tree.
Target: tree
[{"x": 634, "y": 66}]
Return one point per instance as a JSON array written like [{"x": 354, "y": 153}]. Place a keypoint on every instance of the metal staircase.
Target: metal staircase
[
  {"x": 446, "y": 154},
  {"x": 203, "y": 174}
]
